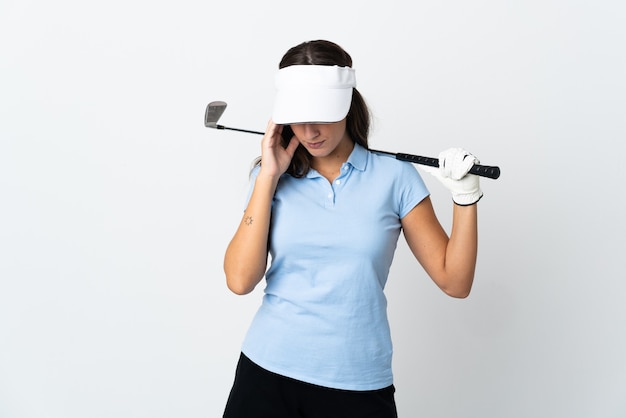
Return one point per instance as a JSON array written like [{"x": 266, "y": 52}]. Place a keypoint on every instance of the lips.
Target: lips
[{"x": 315, "y": 145}]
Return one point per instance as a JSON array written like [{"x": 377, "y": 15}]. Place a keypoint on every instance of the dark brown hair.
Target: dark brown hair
[{"x": 322, "y": 52}]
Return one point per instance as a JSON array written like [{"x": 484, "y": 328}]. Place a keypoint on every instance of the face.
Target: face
[{"x": 323, "y": 139}]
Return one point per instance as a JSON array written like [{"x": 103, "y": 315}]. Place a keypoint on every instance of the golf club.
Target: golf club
[{"x": 214, "y": 111}]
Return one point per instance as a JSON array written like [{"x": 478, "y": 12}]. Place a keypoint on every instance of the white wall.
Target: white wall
[{"x": 116, "y": 203}]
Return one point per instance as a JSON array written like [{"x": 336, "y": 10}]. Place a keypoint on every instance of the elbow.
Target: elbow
[
  {"x": 242, "y": 276},
  {"x": 458, "y": 290},
  {"x": 239, "y": 285},
  {"x": 240, "y": 282},
  {"x": 458, "y": 293},
  {"x": 238, "y": 288}
]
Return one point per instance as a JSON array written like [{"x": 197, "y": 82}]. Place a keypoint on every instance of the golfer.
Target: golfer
[{"x": 328, "y": 212}]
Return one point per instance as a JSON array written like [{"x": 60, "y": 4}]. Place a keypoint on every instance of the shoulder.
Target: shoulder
[
  {"x": 386, "y": 164},
  {"x": 402, "y": 180}
]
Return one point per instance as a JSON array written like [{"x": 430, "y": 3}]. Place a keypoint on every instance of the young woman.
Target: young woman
[{"x": 329, "y": 213}]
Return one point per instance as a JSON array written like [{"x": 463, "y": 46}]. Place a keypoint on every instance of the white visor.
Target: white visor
[{"x": 313, "y": 94}]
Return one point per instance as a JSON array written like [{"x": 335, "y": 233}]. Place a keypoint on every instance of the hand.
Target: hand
[
  {"x": 454, "y": 165},
  {"x": 275, "y": 159}
]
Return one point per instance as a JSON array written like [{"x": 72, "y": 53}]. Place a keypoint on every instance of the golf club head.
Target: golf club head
[{"x": 213, "y": 113}]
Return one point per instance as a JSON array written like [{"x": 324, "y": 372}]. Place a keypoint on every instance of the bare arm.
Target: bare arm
[
  {"x": 246, "y": 255},
  {"x": 449, "y": 261},
  {"x": 245, "y": 260}
]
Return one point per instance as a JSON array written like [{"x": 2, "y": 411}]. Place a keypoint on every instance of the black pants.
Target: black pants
[{"x": 258, "y": 393}]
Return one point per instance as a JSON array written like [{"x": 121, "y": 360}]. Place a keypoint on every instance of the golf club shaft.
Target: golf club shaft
[
  {"x": 238, "y": 130},
  {"x": 492, "y": 172}
]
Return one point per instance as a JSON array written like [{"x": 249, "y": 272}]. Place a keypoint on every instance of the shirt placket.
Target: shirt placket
[{"x": 335, "y": 187}]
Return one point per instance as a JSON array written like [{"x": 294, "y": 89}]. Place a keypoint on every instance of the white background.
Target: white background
[{"x": 116, "y": 203}]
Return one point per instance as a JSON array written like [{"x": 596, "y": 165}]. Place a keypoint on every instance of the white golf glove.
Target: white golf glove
[{"x": 454, "y": 165}]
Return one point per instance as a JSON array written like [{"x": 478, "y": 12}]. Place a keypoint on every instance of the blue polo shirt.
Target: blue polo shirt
[{"x": 323, "y": 319}]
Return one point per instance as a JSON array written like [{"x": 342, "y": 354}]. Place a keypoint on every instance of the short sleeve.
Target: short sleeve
[
  {"x": 253, "y": 175},
  {"x": 411, "y": 189}
]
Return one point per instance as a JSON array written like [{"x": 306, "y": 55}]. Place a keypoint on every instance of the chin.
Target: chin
[{"x": 319, "y": 153}]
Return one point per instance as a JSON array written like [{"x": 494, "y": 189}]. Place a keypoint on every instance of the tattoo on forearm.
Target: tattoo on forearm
[{"x": 248, "y": 220}]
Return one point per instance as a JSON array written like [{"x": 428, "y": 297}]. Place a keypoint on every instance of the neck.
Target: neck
[{"x": 329, "y": 166}]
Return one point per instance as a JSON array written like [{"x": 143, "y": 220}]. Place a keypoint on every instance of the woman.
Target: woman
[{"x": 329, "y": 212}]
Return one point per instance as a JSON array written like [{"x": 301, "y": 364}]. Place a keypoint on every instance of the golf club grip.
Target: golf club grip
[{"x": 492, "y": 172}]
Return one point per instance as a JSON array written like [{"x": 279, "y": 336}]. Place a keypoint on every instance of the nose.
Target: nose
[{"x": 310, "y": 131}]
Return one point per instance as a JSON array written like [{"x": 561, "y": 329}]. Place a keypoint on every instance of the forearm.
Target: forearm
[
  {"x": 245, "y": 260},
  {"x": 461, "y": 251}
]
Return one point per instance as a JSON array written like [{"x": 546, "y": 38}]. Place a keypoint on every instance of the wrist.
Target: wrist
[
  {"x": 467, "y": 199},
  {"x": 266, "y": 180}
]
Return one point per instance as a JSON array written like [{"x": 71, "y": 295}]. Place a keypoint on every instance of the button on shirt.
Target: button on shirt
[{"x": 323, "y": 319}]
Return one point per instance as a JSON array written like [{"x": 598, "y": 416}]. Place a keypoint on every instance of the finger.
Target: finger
[
  {"x": 456, "y": 162},
  {"x": 464, "y": 164},
  {"x": 272, "y": 133},
  {"x": 272, "y": 128},
  {"x": 293, "y": 144}
]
